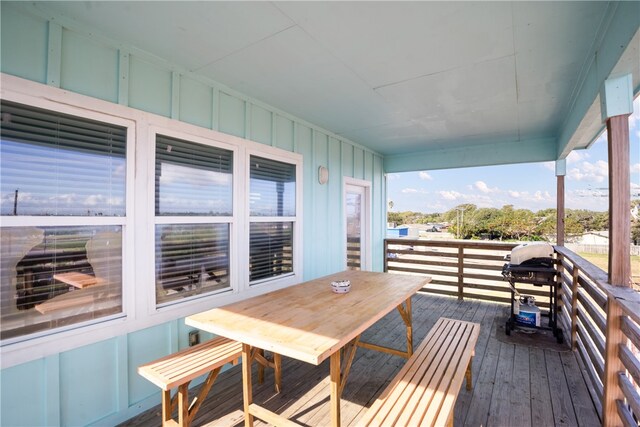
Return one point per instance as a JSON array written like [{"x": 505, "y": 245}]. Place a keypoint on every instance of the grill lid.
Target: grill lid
[{"x": 531, "y": 251}]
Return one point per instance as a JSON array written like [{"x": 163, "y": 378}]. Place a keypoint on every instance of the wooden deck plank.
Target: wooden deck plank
[
  {"x": 500, "y": 408},
  {"x": 563, "y": 412},
  {"x": 305, "y": 389},
  {"x": 584, "y": 409},
  {"x": 520, "y": 395},
  {"x": 540, "y": 396}
]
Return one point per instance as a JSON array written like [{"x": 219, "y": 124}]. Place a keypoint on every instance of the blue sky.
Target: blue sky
[{"x": 530, "y": 186}]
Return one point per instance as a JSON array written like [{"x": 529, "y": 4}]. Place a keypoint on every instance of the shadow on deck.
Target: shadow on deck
[{"x": 513, "y": 385}]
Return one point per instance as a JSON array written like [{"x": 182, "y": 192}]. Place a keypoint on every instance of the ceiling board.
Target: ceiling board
[
  {"x": 468, "y": 100},
  {"x": 190, "y": 34},
  {"x": 305, "y": 79},
  {"x": 389, "y": 42}
]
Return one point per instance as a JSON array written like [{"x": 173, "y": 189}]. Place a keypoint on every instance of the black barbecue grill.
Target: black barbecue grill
[{"x": 538, "y": 271}]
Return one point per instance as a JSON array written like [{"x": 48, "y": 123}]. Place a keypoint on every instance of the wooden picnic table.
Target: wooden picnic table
[{"x": 310, "y": 323}]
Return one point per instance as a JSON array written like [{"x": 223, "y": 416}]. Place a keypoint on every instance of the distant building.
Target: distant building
[{"x": 594, "y": 238}]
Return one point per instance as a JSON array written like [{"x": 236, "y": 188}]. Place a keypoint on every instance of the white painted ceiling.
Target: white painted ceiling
[{"x": 398, "y": 77}]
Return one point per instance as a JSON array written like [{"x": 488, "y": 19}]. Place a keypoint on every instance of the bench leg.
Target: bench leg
[
  {"x": 183, "y": 405},
  {"x": 167, "y": 408},
  {"x": 204, "y": 391},
  {"x": 468, "y": 375}
]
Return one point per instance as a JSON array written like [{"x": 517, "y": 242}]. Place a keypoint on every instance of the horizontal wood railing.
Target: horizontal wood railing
[
  {"x": 466, "y": 269},
  {"x": 604, "y": 321},
  {"x": 601, "y": 322}
]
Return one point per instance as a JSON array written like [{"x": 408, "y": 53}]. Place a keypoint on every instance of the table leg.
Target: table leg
[
  {"x": 409, "y": 323},
  {"x": 277, "y": 371},
  {"x": 335, "y": 389},
  {"x": 405, "y": 313},
  {"x": 247, "y": 391}
]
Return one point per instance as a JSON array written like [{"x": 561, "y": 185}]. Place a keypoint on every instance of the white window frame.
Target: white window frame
[
  {"x": 138, "y": 270},
  {"x": 157, "y": 220},
  {"x": 284, "y": 157},
  {"x": 19, "y": 91}
]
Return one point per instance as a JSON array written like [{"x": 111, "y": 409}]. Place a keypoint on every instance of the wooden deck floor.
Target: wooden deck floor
[{"x": 514, "y": 385}]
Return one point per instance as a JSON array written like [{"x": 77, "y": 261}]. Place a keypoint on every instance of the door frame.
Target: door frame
[{"x": 365, "y": 228}]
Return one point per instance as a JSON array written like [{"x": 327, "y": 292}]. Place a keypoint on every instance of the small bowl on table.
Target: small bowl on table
[{"x": 341, "y": 286}]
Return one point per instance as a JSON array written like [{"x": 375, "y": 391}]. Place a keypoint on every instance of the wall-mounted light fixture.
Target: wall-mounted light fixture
[{"x": 323, "y": 175}]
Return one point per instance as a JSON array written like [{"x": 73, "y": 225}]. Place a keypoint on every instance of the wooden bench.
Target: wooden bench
[
  {"x": 179, "y": 369},
  {"x": 425, "y": 390}
]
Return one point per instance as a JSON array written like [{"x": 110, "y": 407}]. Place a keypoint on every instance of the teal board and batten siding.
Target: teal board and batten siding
[{"x": 98, "y": 383}]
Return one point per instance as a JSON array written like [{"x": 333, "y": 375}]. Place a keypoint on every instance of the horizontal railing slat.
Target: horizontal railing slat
[
  {"x": 630, "y": 361},
  {"x": 424, "y": 271},
  {"x": 597, "y": 296},
  {"x": 591, "y": 351},
  {"x": 631, "y": 330},
  {"x": 593, "y": 311},
  {"x": 630, "y": 393},
  {"x": 625, "y": 415},
  {"x": 423, "y": 262},
  {"x": 596, "y": 381}
]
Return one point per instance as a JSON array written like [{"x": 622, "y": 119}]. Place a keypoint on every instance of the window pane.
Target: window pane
[
  {"x": 55, "y": 164},
  {"x": 58, "y": 276},
  {"x": 192, "y": 179},
  {"x": 271, "y": 249},
  {"x": 273, "y": 188},
  {"x": 191, "y": 259}
]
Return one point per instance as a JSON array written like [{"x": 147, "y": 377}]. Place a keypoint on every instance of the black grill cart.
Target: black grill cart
[{"x": 539, "y": 271}]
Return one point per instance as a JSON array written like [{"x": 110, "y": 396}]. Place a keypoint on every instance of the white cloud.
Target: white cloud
[
  {"x": 483, "y": 187},
  {"x": 425, "y": 176},
  {"x": 392, "y": 176},
  {"x": 577, "y": 156},
  {"x": 635, "y": 168},
  {"x": 590, "y": 172},
  {"x": 573, "y": 158},
  {"x": 514, "y": 194},
  {"x": 450, "y": 195},
  {"x": 409, "y": 191}
]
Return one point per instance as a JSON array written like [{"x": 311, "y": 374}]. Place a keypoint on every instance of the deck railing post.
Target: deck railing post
[
  {"x": 612, "y": 365},
  {"x": 461, "y": 272},
  {"x": 574, "y": 307}
]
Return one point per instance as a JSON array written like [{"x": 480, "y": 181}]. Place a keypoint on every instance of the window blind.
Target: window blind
[
  {"x": 57, "y": 164},
  {"x": 193, "y": 179},
  {"x": 271, "y": 249},
  {"x": 191, "y": 259},
  {"x": 273, "y": 187}
]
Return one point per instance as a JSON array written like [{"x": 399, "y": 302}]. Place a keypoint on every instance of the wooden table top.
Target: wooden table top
[{"x": 308, "y": 321}]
